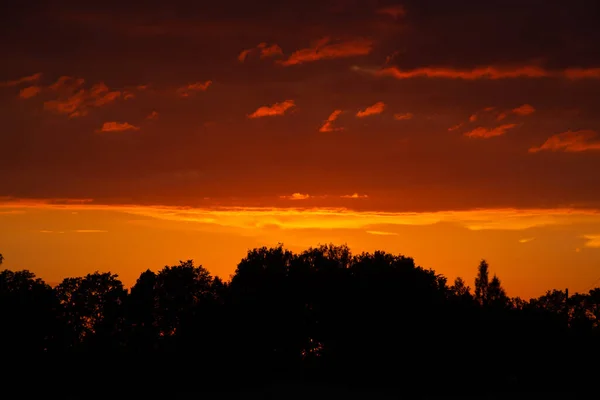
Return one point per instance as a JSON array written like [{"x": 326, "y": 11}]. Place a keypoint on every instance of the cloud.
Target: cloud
[
  {"x": 570, "y": 141},
  {"x": 488, "y": 72},
  {"x": 264, "y": 49},
  {"x": 117, "y": 127},
  {"x": 76, "y": 101},
  {"x": 524, "y": 110},
  {"x": 592, "y": 241},
  {"x": 324, "y": 49},
  {"x": 327, "y": 218},
  {"x": 296, "y": 196},
  {"x": 29, "y": 92},
  {"x": 275, "y": 109},
  {"x": 455, "y": 127},
  {"x": 402, "y": 116},
  {"x": 485, "y": 133},
  {"x": 375, "y": 109},
  {"x": 90, "y": 231},
  {"x": 185, "y": 91},
  {"x": 382, "y": 233},
  {"x": 526, "y": 240},
  {"x": 354, "y": 196},
  {"x": 395, "y": 11},
  {"x": 25, "y": 79},
  {"x": 328, "y": 125},
  {"x": 152, "y": 115}
]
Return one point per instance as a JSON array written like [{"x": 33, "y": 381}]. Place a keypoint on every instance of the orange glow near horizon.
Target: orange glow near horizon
[{"x": 74, "y": 238}]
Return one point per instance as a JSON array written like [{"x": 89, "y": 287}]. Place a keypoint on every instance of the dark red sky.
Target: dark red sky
[{"x": 204, "y": 145}]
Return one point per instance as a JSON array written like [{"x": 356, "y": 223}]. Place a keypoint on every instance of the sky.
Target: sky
[{"x": 134, "y": 137}]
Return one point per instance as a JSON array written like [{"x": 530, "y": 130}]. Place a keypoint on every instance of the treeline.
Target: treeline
[{"x": 323, "y": 314}]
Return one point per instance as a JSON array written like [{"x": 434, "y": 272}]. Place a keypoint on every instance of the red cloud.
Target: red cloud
[
  {"x": 324, "y": 49},
  {"x": 264, "y": 49},
  {"x": 185, "y": 91},
  {"x": 296, "y": 196},
  {"x": 570, "y": 141},
  {"x": 395, "y": 12},
  {"x": 488, "y": 72},
  {"x": 29, "y": 92},
  {"x": 25, "y": 79},
  {"x": 117, "y": 127},
  {"x": 376, "y": 108},
  {"x": 275, "y": 109},
  {"x": 486, "y": 133},
  {"x": 153, "y": 115},
  {"x": 402, "y": 116},
  {"x": 523, "y": 110},
  {"x": 75, "y": 100},
  {"x": 328, "y": 125}
]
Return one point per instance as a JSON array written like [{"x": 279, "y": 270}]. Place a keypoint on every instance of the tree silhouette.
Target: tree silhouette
[{"x": 482, "y": 283}]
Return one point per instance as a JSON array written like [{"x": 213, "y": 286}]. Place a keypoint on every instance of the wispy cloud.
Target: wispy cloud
[
  {"x": 152, "y": 115},
  {"x": 526, "y": 240},
  {"x": 29, "y": 92},
  {"x": 523, "y": 110},
  {"x": 328, "y": 125},
  {"x": 592, "y": 240},
  {"x": 395, "y": 11},
  {"x": 325, "y": 49},
  {"x": 487, "y": 72},
  {"x": 296, "y": 196},
  {"x": 19, "y": 81},
  {"x": 329, "y": 218},
  {"x": 403, "y": 116},
  {"x": 570, "y": 141},
  {"x": 486, "y": 133},
  {"x": 382, "y": 233},
  {"x": 273, "y": 110},
  {"x": 375, "y": 109},
  {"x": 75, "y": 101},
  {"x": 117, "y": 127},
  {"x": 90, "y": 231},
  {"x": 190, "y": 88},
  {"x": 264, "y": 49},
  {"x": 354, "y": 196}
]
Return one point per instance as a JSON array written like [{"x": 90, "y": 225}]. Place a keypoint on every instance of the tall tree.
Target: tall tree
[{"x": 482, "y": 283}]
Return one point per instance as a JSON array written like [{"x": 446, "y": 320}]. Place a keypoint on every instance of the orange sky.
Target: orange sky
[{"x": 447, "y": 131}]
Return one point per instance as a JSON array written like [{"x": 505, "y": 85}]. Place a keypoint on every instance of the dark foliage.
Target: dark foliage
[{"x": 323, "y": 315}]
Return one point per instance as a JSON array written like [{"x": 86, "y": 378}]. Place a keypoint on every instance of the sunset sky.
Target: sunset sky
[{"x": 134, "y": 136}]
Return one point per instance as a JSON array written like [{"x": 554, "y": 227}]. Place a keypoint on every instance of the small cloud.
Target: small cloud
[
  {"x": 354, "y": 196},
  {"x": 152, "y": 115},
  {"x": 396, "y": 11},
  {"x": 526, "y": 240},
  {"x": 117, "y": 127},
  {"x": 455, "y": 127},
  {"x": 128, "y": 95},
  {"x": 473, "y": 118},
  {"x": 75, "y": 101},
  {"x": 328, "y": 125},
  {"x": 592, "y": 240},
  {"x": 570, "y": 141},
  {"x": 272, "y": 110},
  {"x": 142, "y": 87},
  {"x": 524, "y": 110},
  {"x": 402, "y": 116},
  {"x": 296, "y": 196},
  {"x": 382, "y": 233},
  {"x": 375, "y": 109},
  {"x": 29, "y": 92},
  {"x": 90, "y": 231},
  {"x": 264, "y": 49},
  {"x": 45, "y": 231},
  {"x": 185, "y": 91},
  {"x": 25, "y": 79},
  {"x": 324, "y": 49},
  {"x": 485, "y": 133}
]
